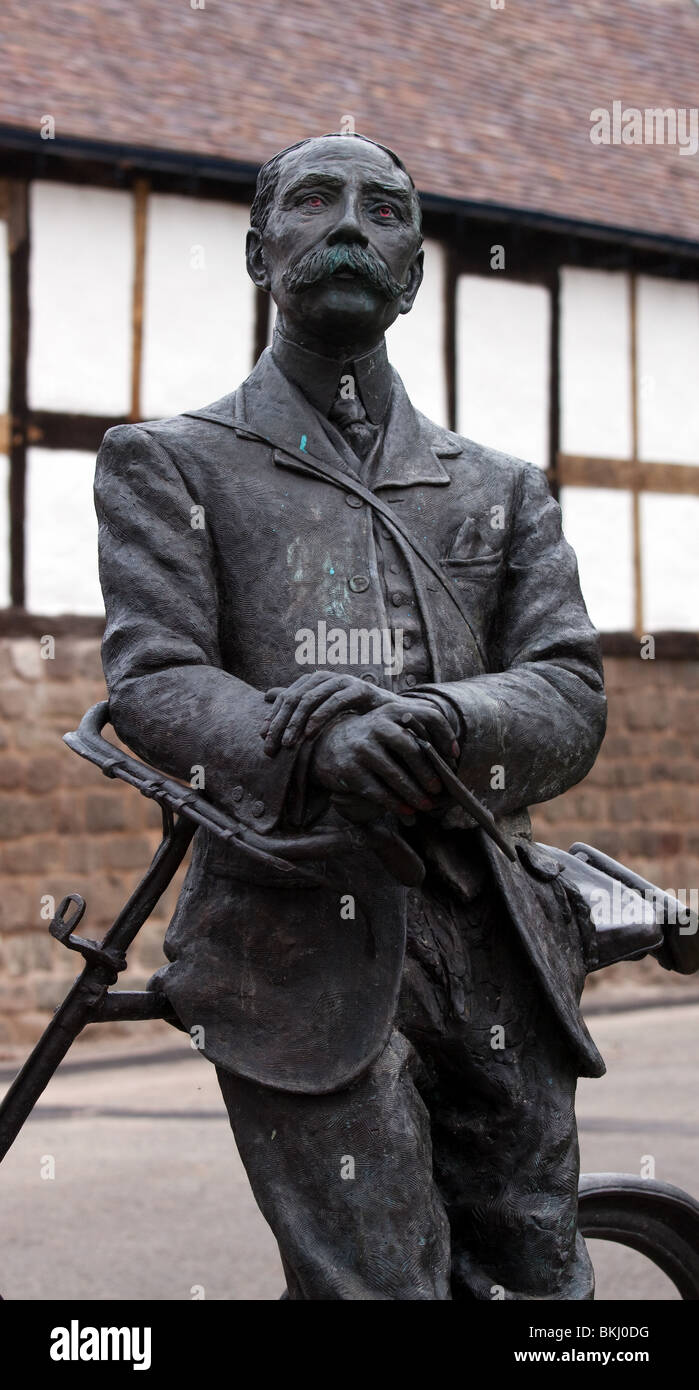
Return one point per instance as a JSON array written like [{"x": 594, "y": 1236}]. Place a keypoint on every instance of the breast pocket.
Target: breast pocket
[
  {"x": 473, "y": 568},
  {"x": 477, "y": 580}
]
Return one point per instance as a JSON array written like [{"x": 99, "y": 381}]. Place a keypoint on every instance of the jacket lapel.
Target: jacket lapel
[
  {"x": 272, "y": 404},
  {"x": 413, "y": 446},
  {"x": 411, "y": 450}
]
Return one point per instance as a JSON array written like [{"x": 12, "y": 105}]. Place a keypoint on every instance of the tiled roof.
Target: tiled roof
[{"x": 485, "y": 104}]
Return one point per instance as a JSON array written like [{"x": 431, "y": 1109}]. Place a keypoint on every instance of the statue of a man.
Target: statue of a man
[{"x": 313, "y": 595}]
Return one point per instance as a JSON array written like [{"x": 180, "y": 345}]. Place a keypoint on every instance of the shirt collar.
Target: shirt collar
[{"x": 319, "y": 377}]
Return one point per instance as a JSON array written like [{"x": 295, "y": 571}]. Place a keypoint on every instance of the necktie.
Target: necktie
[{"x": 352, "y": 421}]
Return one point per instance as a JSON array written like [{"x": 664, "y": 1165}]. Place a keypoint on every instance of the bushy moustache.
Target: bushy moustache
[{"x": 325, "y": 261}]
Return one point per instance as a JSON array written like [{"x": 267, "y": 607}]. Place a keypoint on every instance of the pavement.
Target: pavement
[{"x": 125, "y": 1182}]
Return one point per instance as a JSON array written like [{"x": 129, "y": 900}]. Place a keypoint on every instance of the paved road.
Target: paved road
[{"x": 150, "y": 1200}]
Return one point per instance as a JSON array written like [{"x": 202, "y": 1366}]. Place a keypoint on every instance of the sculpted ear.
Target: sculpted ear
[
  {"x": 414, "y": 283},
  {"x": 254, "y": 259}
]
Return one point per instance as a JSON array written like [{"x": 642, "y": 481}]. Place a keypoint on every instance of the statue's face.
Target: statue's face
[{"x": 340, "y": 252}]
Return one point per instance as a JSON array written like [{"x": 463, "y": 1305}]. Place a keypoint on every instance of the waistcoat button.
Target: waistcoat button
[{"x": 358, "y": 583}]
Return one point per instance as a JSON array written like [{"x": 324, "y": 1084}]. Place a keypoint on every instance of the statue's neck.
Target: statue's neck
[{"x": 338, "y": 349}]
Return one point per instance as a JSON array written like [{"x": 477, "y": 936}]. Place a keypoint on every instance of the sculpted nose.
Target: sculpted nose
[{"x": 349, "y": 227}]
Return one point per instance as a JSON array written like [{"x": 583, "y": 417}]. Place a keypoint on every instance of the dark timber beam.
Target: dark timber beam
[{"x": 18, "y": 230}]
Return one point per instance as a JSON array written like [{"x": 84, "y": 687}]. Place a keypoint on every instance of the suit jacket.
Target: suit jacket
[{"x": 214, "y": 553}]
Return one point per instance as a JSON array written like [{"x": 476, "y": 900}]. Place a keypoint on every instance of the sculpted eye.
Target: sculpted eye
[
  {"x": 385, "y": 210},
  {"x": 313, "y": 200}
]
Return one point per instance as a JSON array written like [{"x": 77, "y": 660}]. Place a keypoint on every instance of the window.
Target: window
[
  {"x": 61, "y": 531},
  {"x": 80, "y": 291},
  {"x": 629, "y": 462},
  {"x": 4, "y": 407},
  {"x": 415, "y": 342},
  {"x": 502, "y": 364},
  {"x": 132, "y": 305},
  {"x": 199, "y": 304}
]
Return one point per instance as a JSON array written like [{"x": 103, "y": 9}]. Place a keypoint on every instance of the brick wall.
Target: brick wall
[
  {"x": 640, "y": 803},
  {"x": 64, "y": 828}
]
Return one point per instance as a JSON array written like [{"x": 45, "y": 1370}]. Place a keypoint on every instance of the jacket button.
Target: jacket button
[
  {"x": 411, "y": 680},
  {"x": 396, "y": 599},
  {"x": 370, "y": 678},
  {"x": 358, "y": 583},
  {"x": 258, "y": 808},
  {"x": 237, "y": 793},
  {"x": 353, "y": 501},
  {"x": 407, "y": 639}
]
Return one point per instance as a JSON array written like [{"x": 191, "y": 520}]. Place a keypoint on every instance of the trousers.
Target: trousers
[{"x": 449, "y": 1170}]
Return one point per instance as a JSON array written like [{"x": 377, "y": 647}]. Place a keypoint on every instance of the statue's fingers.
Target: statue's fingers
[
  {"x": 414, "y": 758},
  {"x": 286, "y": 707},
  {"x": 433, "y": 725},
  {"x": 398, "y": 781},
  {"x": 301, "y": 683},
  {"x": 342, "y": 701},
  {"x": 375, "y": 790},
  {"x": 313, "y": 703},
  {"x": 278, "y": 693}
]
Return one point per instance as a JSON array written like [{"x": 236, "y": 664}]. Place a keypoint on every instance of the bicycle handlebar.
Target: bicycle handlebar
[{"x": 88, "y": 742}]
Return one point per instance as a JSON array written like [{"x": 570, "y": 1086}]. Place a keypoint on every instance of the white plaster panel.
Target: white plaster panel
[
  {"x": 415, "y": 342},
  {"x": 598, "y": 524},
  {"x": 669, "y": 530},
  {"x": 4, "y": 533},
  {"x": 61, "y": 533},
  {"x": 502, "y": 360},
  {"x": 668, "y": 370},
  {"x": 199, "y": 307},
  {"x": 4, "y": 319},
  {"x": 595, "y": 363},
  {"x": 80, "y": 290}
]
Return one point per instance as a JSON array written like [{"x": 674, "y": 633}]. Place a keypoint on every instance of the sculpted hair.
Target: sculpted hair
[{"x": 268, "y": 178}]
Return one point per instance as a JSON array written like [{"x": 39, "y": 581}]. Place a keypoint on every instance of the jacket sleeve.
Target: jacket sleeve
[
  {"x": 170, "y": 699},
  {"x": 534, "y": 723}
]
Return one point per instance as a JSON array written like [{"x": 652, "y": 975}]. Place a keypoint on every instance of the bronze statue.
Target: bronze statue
[{"x": 337, "y": 616}]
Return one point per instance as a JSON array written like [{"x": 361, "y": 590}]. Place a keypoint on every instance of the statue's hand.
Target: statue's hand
[
  {"x": 431, "y": 720},
  {"x": 373, "y": 756},
  {"x": 305, "y": 708}
]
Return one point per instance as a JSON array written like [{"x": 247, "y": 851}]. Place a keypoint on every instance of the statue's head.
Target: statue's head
[{"x": 335, "y": 237}]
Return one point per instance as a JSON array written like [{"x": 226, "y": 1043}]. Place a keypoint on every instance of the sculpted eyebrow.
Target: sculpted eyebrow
[
  {"x": 311, "y": 180},
  {"x": 331, "y": 181},
  {"x": 389, "y": 190}
]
